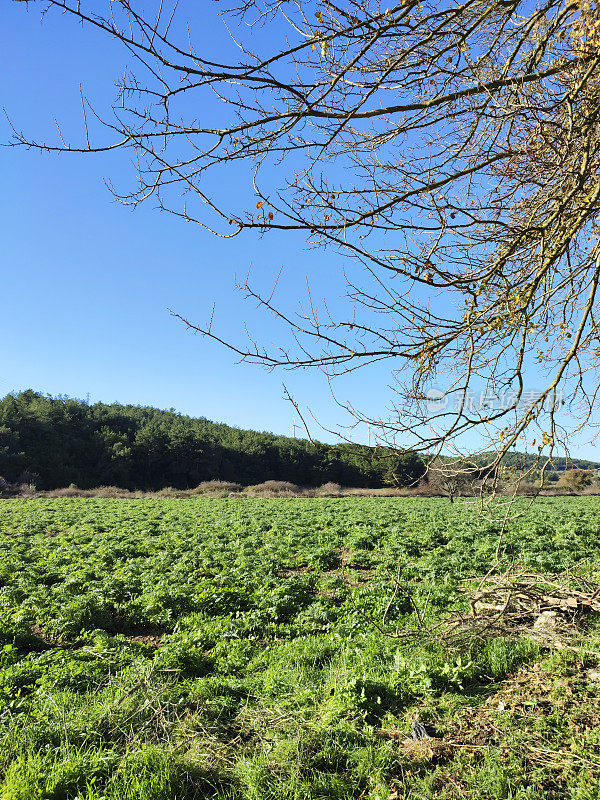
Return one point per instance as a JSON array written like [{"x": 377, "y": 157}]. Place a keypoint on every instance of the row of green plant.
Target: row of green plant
[{"x": 250, "y": 649}]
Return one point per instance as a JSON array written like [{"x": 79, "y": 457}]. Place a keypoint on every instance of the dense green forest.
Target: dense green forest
[
  {"x": 523, "y": 462},
  {"x": 62, "y": 441}
]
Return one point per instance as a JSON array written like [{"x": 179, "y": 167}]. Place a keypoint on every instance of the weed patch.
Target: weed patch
[{"x": 256, "y": 649}]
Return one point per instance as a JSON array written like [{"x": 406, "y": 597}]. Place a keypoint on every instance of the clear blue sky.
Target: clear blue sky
[{"x": 86, "y": 282}]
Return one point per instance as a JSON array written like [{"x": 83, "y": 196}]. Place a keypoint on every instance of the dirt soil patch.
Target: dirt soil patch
[{"x": 544, "y": 720}]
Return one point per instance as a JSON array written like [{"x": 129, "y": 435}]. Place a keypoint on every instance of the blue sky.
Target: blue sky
[{"x": 86, "y": 282}]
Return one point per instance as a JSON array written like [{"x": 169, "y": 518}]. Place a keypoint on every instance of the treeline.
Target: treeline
[
  {"x": 58, "y": 441},
  {"x": 520, "y": 462}
]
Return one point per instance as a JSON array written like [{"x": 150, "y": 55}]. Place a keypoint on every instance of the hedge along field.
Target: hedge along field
[{"x": 175, "y": 649}]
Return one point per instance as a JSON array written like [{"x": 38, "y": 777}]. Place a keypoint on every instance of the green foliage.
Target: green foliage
[
  {"x": 172, "y": 650},
  {"x": 64, "y": 441}
]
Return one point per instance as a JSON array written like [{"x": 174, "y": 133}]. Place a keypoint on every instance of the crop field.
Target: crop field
[{"x": 267, "y": 649}]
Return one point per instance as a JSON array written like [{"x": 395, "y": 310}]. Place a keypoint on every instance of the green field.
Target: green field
[{"x": 240, "y": 648}]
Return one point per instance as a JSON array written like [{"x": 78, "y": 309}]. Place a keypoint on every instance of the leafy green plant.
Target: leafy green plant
[{"x": 165, "y": 648}]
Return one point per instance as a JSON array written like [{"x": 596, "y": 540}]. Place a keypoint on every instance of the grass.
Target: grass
[{"x": 244, "y": 649}]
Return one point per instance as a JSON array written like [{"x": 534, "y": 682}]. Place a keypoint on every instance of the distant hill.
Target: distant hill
[
  {"x": 62, "y": 441},
  {"x": 526, "y": 461}
]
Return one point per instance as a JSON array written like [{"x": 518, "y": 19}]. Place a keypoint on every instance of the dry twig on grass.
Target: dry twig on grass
[{"x": 549, "y": 608}]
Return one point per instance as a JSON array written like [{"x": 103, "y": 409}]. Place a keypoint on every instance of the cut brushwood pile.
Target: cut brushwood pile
[{"x": 549, "y": 608}]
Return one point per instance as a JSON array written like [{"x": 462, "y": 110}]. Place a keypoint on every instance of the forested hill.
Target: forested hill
[
  {"x": 526, "y": 461},
  {"x": 64, "y": 441}
]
